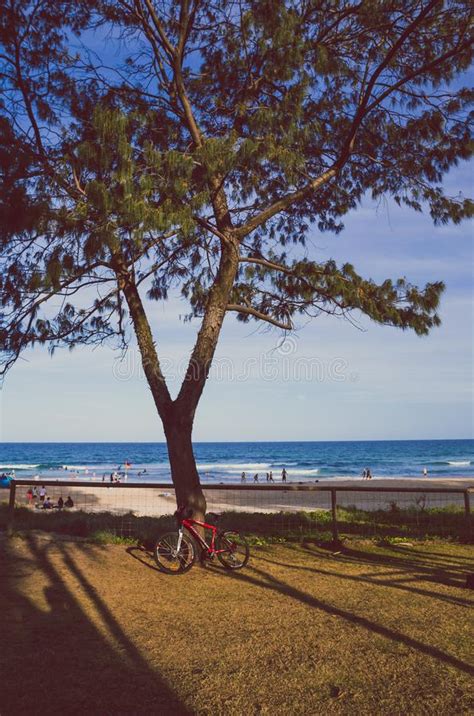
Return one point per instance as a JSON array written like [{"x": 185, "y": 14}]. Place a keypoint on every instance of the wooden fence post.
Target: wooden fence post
[
  {"x": 335, "y": 533},
  {"x": 467, "y": 511},
  {"x": 11, "y": 508}
]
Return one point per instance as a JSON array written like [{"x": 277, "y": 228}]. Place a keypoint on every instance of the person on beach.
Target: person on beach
[
  {"x": 284, "y": 475},
  {"x": 29, "y": 496},
  {"x": 60, "y": 503},
  {"x": 364, "y": 474},
  {"x": 35, "y": 492},
  {"x": 243, "y": 477},
  {"x": 255, "y": 477},
  {"x": 42, "y": 493},
  {"x": 425, "y": 472},
  {"x": 47, "y": 504},
  {"x": 69, "y": 502},
  {"x": 270, "y": 476},
  {"x": 368, "y": 473}
]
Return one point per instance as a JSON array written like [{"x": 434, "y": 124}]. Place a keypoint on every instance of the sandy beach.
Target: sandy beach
[{"x": 155, "y": 501}]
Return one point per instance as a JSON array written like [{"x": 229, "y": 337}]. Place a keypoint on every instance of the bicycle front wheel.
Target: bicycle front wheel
[
  {"x": 168, "y": 558},
  {"x": 235, "y": 550}
]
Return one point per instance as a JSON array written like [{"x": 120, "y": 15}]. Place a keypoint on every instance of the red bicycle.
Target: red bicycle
[{"x": 176, "y": 552}]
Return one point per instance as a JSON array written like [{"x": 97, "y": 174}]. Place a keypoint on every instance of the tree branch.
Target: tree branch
[
  {"x": 287, "y": 201},
  {"x": 267, "y": 264},
  {"x": 249, "y": 311},
  {"x": 170, "y": 50},
  {"x": 150, "y": 361},
  {"x": 284, "y": 203},
  {"x": 206, "y": 342},
  {"x": 411, "y": 75},
  {"x": 362, "y": 108}
]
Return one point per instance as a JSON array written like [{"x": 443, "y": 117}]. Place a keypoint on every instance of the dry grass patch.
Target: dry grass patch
[{"x": 97, "y": 629}]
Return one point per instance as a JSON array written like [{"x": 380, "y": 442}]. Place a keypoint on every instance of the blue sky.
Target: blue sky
[{"x": 331, "y": 381}]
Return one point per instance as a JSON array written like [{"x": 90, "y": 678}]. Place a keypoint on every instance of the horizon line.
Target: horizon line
[{"x": 223, "y": 442}]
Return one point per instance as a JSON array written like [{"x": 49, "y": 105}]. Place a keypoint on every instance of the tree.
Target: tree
[{"x": 201, "y": 157}]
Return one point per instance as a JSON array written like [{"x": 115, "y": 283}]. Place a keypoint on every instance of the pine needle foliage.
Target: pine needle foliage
[{"x": 202, "y": 156}]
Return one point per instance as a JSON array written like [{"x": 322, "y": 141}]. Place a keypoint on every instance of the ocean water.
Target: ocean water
[{"x": 224, "y": 462}]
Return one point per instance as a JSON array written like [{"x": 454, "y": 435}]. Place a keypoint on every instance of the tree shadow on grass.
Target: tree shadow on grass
[
  {"x": 436, "y": 557},
  {"x": 408, "y": 572},
  {"x": 55, "y": 659},
  {"x": 143, "y": 556},
  {"x": 262, "y": 579},
  {"x": 427, "y": 566},
  {"x": 403, "y": 570},
  {"x": 434, "y": 567}
]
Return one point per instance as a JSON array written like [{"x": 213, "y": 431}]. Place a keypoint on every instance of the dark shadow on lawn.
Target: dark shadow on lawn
[
  {"x": 57, "y": 660},
  {"x": 407, "y": 572},
  {"x": 428, "y": 567},
  {"x": 427, "y": 556},
  {"x": 403, "y": 557},
  {"x": 265, "y": 580},
  {"x": 139, "y": 553},
  {"x": 401, "y": 580},
  {"x": 435, "y": 557}
]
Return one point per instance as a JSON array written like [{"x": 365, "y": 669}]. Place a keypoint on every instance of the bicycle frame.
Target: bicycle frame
[{"x": 189, "y": 525}]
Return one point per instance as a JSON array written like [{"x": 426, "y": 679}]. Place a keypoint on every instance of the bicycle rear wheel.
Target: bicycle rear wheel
[
  {"x": 236, "y": 552},
  {"x": 167, "y": 557}
]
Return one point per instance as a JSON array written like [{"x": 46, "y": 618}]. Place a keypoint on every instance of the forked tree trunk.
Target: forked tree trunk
[
  {"x": 177, "y": 415},
  {"x": 177, "y": 418}
]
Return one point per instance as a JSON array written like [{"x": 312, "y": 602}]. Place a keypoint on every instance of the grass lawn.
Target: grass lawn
[{"x": 96, "y": 629}]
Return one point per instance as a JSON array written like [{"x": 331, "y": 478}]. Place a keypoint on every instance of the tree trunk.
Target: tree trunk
[
  {"x": 178, "y": 431},
  {"x": 177, "y": 416}
]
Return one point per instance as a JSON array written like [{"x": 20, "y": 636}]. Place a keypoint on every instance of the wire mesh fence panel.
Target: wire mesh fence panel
[
  {"x": 271, "y": 512},
  {"x": 288, "y": 512},
  {"x": 88, "y": 508},
  {"x": 117, "y": 499},
  {"x": 403, "y": 513}
]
